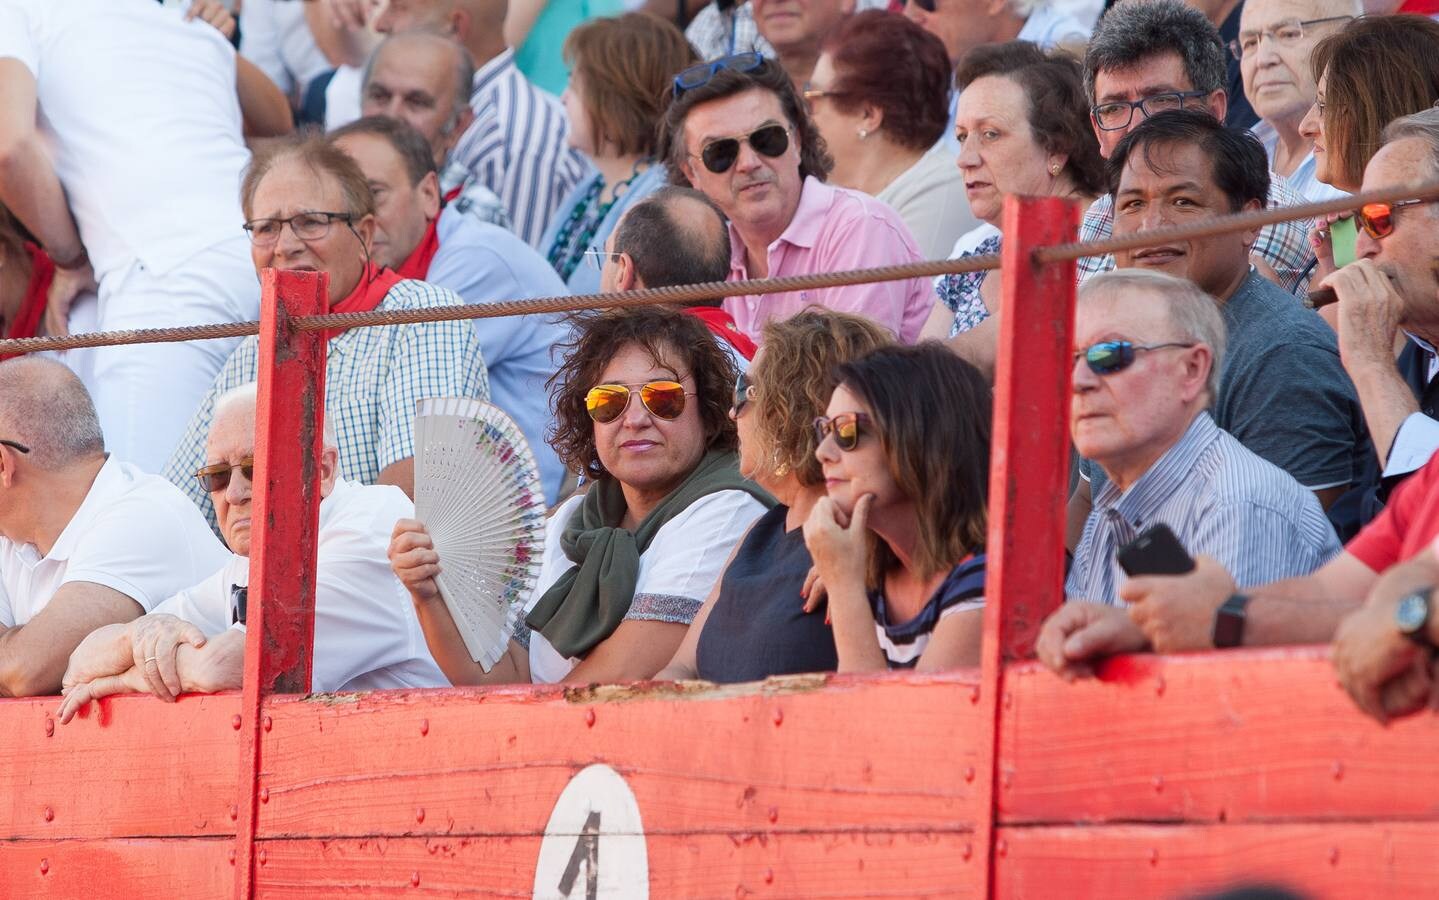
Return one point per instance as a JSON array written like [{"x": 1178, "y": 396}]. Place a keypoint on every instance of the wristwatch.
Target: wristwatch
[
  {"x": 1412, "y": 616},
  {"x": 1229, "y": 621}
]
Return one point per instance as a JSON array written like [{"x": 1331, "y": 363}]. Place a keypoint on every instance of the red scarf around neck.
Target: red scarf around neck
[
  {"x": 724, "y": 327},
  {"x": 32, "y": 308},
  {"x": 375, "y": 283},
  {"x": 417, "y": 264}
]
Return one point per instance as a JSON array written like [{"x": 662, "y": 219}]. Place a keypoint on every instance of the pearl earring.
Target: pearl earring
[
  {"x": 1054, "y": 170},
  {"x": 863, "y": 133}
]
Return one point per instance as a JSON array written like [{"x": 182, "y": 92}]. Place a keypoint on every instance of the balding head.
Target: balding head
[
  {"x": 422, "y": 78},
  {"x": 44, "y": 407},
  {"x": 674, "y": 236}
]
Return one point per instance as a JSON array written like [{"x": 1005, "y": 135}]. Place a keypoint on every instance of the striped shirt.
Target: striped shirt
[
  {"x": 373, "y": 376},
  {"x": 1220, "y": 500},
  {"x": 518, "y": 146},
  {"x": 904, "y": 643},
  {"x": 1285, "y": 246}
]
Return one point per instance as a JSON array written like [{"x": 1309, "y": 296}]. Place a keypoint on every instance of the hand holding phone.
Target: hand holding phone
[{"x": 1155, "y": 552}]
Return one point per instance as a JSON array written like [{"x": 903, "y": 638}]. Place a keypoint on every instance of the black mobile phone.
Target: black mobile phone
[{"x": 1155, "y": 552}]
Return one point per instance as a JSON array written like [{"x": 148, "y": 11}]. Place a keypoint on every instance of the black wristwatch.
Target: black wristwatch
[
  {"x": 1229, "y": 622},
  {"x": 1411, "y": 616}
]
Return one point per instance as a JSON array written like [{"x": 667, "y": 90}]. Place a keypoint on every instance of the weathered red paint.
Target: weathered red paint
[{"x": 289, "y": 436}]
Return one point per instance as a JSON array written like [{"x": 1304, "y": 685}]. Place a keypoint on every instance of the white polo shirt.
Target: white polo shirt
[
  {"x": 366, "y": 634},
  {"x": 144, "y": 122},
  {"x": 134, "y": 533}
]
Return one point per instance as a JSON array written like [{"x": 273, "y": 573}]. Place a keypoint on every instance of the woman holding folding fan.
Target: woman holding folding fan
[{"x": 640, "y": 405}]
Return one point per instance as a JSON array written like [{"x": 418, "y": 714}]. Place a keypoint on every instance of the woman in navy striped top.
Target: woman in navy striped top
[{"x": 898, "y": 542}]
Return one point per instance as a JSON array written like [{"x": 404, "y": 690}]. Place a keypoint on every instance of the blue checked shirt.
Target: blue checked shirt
[
  {"x": 518, "y": 146},
  {"x": 1285, "y": 246},
  {"x": 373, "y": 377},
  {"x": 1220, "y": 500}
]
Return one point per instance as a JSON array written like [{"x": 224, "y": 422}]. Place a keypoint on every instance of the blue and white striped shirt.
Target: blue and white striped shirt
[
  {"x": 518, "y": 146},
  {"x": 1220, "y": 500}
]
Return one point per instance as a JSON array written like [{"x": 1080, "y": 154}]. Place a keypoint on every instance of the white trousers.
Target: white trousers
[{"x": 146, "y": 393}]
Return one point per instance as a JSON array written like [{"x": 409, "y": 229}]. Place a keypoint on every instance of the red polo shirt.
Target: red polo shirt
[{"x": 1408, "y": 524}]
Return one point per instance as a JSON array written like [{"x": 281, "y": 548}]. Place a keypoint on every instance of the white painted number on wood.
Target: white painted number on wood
[{"x": 594, "y": 846}]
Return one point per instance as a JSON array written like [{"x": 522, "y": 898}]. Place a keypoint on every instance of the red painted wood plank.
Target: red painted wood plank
[
  {"x": 1236, "y": 736},
  {"x": 864, "y": 753},
  {"x": 813, "y": 865},
  {"x": 194, "y": 868},
  {"x": 1327, "y": 861},
  {"x": 289, "y": 436},
  {"x": 128, "y": 766}
]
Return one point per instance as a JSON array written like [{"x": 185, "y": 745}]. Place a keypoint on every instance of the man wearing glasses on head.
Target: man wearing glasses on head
[{"x": 737, "y": 132}]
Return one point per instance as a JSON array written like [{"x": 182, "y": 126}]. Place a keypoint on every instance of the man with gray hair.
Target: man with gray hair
[
  {"x": 85, "y": 540},
  {"x": 366, "y": 634}
]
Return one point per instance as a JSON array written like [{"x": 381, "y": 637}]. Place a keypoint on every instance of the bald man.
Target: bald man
[{"x": 85, "y": 540}]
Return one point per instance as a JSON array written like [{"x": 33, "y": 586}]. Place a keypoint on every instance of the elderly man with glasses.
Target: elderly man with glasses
[
  {"x": 738, "y": 132},
  {"x": 366, "y": 634},
  {"x": 86, "y": 540},
  {"x": 310, "y": 208}
]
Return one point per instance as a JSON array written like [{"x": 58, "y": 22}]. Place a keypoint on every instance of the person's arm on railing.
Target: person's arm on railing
[{"x": 33, "y": 656}]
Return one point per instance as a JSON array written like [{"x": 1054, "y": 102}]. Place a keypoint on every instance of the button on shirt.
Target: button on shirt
[
  {"x": 1220, "y": 500},
  {"x": 834, "y": 230}
]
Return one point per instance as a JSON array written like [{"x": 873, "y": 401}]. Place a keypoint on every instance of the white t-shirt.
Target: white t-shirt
[
  {"x": 134, "y": 533},
  {"x": 677, "y": 570},
  {"x": 366, "y": 634},
  {"x": 142, "y": 114},
  {"x": 276, "y": 38}
]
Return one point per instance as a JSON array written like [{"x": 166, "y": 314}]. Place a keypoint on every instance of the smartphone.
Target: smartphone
[
  {"x": 1155, "y": 552},
  {"x": 1342, "y": 236}
]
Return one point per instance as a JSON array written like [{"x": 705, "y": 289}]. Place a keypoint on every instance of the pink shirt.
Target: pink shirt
[{"x": 834, "y": 230}]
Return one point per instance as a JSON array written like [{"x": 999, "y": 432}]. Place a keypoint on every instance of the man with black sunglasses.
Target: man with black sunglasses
[
  {"x": 738, "y": 132},
  {"x": 86, "y": 540}
]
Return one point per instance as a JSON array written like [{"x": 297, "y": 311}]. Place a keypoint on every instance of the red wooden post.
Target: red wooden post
[
  {"x": 289, "y": 435},
  {"x": 1029, "y": 459}
]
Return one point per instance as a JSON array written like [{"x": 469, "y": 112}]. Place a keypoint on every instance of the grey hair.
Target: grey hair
[
  {"x": 248, "y": 395},
  {"x": 464, "y": 69},
  {"x": 1423, "y": 125},
  {"x": 1135, "y": 30},
  {"x": 1194, "y": 314},
  {"x": 44, "y": 406}
]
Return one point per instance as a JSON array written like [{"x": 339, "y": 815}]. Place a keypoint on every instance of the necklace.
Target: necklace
[{"x": 585, "y": 218}]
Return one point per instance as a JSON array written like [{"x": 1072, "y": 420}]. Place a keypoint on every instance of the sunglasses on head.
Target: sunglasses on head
[
  {"x": 743, "y": 393},
  {"x": 768, "y": 140},
  {"x": 845, "y": 427},
  {"x": 700, "y": 74},
  {"x": 1377, "y": 219},
  {"x": 216, "y": 478},
  {"x": 664, "y": 399},
  {"x": 1108, "y": 357}
]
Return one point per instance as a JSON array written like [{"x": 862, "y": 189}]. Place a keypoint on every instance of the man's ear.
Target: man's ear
[
  {"x": 1218, "y": 103},
  {"x": 627, "y": 277},
  {"x": 365, "y": 228},
  {"x": 329, "y": 470},
  {"x": 429, "y": 190},
  {"x": 1199, "y": 362},
  {"x": 1251, "y": 235},
  {"x": 688, "y": 171}
]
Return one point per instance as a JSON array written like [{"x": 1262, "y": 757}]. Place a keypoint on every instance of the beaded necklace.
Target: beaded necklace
[{"x": 575, "y": 235}]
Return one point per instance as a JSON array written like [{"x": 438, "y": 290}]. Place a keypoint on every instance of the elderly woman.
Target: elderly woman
[
  {"x": 622, "y": 70},
  {"x": 640, "y": 405},
  {"x": 882, "y": 122},
  {"x": 1023, "y": 128},
  {"x": 898, "y": 540},
  {"x": 753, "y": 625}
]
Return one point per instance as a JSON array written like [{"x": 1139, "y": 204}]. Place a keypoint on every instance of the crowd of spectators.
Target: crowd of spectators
[{"x": 740, "y": 487}]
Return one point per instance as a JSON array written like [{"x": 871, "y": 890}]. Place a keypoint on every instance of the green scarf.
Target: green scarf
[{"x": 592, "y": 598}]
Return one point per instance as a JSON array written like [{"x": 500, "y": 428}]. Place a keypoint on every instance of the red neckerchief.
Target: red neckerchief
[
  {"x": 32, "y": 308},
  {"x": 417, "y": 264},
  {"x": 375, "y": 283},
  {"x": 722, "y": 324},
  {"x": 1420, "y": 7},
  {"x": 454, "y": 193}
]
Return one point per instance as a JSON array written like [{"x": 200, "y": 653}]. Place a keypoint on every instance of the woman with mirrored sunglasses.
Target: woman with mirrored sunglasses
[
  {"x": 898, "y": 542},
  {"x": 641, "y": 404},
  {"x": 753, "y": 624}
]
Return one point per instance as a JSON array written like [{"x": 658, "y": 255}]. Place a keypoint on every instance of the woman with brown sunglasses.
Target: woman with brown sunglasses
[{"x": 641, "y": 404}]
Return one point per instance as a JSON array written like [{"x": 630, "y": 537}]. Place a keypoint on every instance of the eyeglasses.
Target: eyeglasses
[
  {"x": 812, "y": 94},
  {"x": 1285, "y": 34},
  {"x": 307, "y": 226},
  {"x": 743, "y": 394},
  {"x": 665, "y": 399},
  {"x": 1118, "y": 114},
  {"x": 216, "y": 478},
  {"x": 597, "y": 258},
  {"x": 699, "y": 75},
  {"x": 845, "y": 427},
  {"x": 769, "y": 140},
  {"x": 16, "y": 446},
  {"x": 1108, "y": 357},
  {"x": 1377, "y": 219}
]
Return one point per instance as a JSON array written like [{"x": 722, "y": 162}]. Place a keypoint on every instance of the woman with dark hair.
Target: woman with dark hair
[
  {"x": 621, "y": 70},
  {"x": 753, "y": 624},
  {"x": 640, "y": 407},
  {"x": 1023, "y": 128},
  {"x": 883, "y": 122},
  {"x": 898, "y": 542}
]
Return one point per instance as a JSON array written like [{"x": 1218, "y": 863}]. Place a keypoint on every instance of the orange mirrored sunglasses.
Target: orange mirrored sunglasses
[{"x": 664, "y": 399}]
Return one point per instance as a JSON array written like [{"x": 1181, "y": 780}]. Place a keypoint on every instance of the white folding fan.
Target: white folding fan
[{"x": 477, "y": 490}]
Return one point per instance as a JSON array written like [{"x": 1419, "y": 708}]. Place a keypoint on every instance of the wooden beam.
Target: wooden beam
[
  {"x": 194, "y": 868},
  {"x": 289, "y": 435}
]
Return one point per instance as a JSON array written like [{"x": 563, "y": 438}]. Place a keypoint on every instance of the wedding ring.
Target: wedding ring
[{"x": 150, "y": 659}]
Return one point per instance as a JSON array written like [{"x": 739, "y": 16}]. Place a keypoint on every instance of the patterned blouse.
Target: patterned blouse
[{"x": 961, "y": 292}]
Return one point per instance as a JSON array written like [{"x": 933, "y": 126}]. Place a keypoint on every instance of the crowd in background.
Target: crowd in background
[{"x": 745, "y": 487}]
